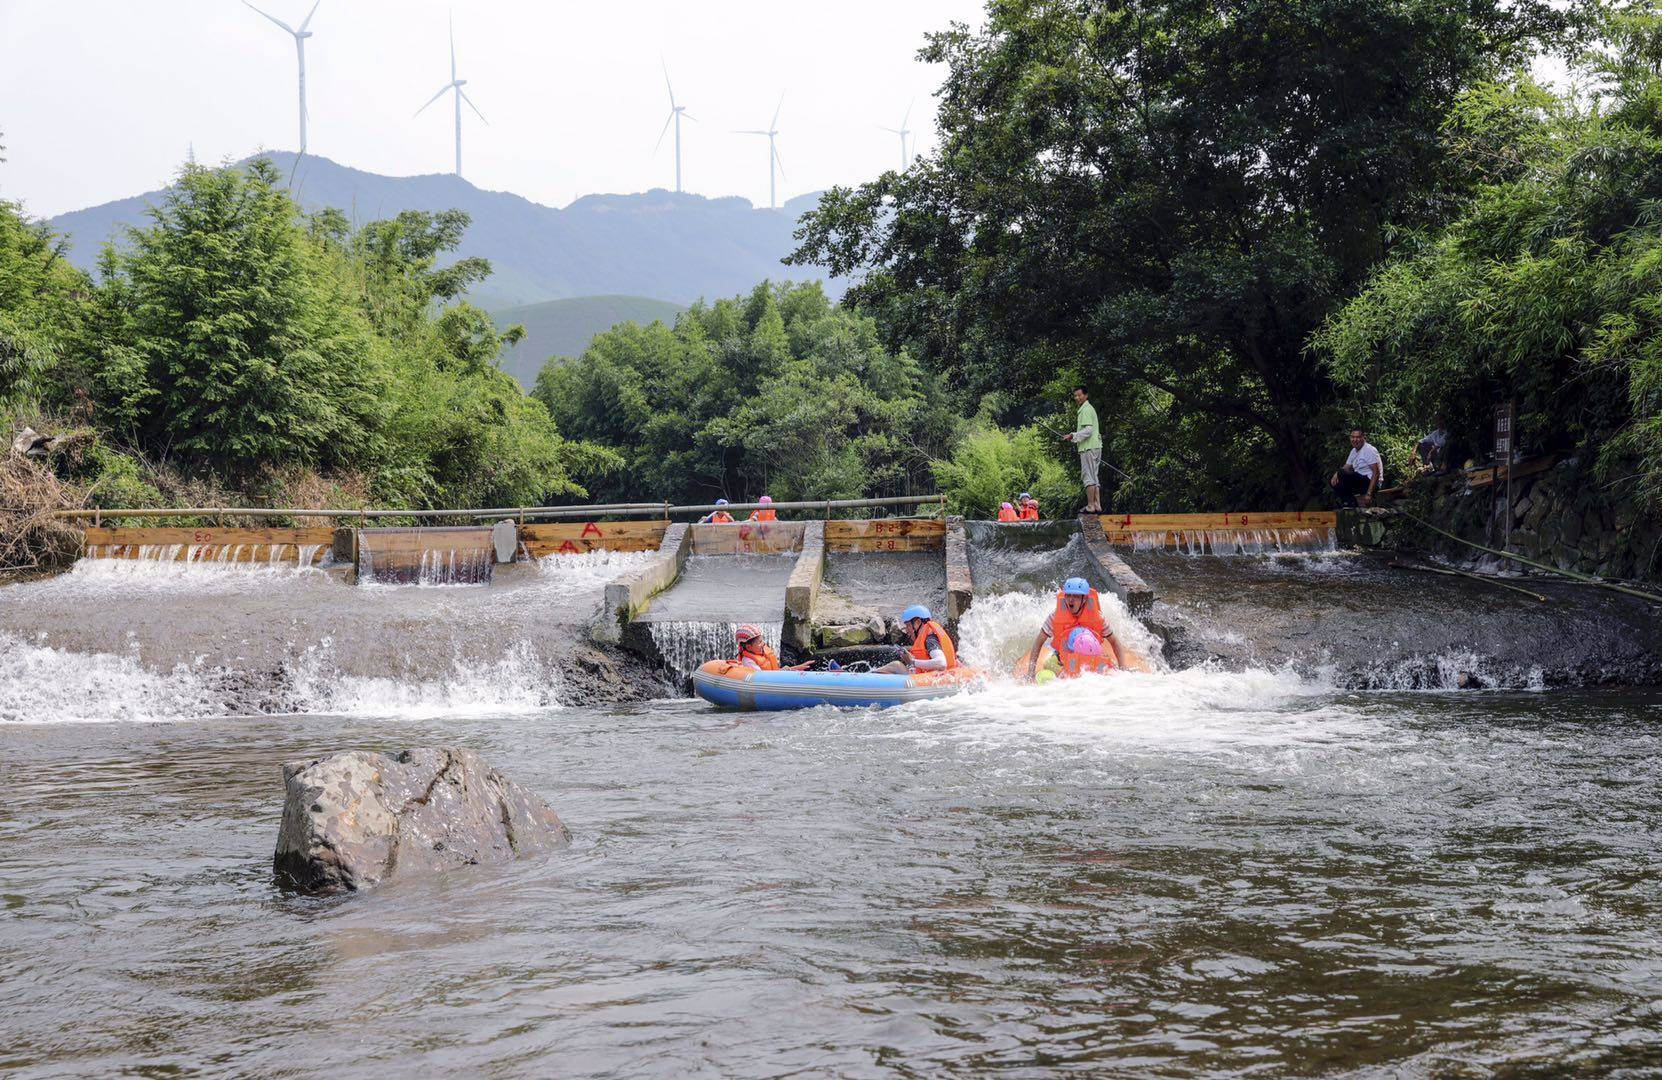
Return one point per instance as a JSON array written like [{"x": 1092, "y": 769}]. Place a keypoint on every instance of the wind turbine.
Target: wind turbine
[
  {"x": 903, "y": 131},
  {"x": 300, "y": 37},
  {"x": 772, "y": 133},
  {"x": 461, "y": 96},
  {"x": 675, "y": 113}
]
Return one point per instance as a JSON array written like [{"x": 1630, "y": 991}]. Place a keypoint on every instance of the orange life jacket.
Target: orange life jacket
[
  {"x": 920, "y": 644},
  {"x": 1006, "y": 514},
  {"x": 721, "y": 517},
  {"x": 1065, "y": 622},
  {"x": 767, "y": 659},
  {"x": 1029, "y": 512},
  {"x": 764, "y": 515}
]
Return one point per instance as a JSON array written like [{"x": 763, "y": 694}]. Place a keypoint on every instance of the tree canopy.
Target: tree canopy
[{"x": 1165, "y": 198}]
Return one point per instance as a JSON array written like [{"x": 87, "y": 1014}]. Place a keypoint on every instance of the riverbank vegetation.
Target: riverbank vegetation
[{"x": 1245, "y": 232}]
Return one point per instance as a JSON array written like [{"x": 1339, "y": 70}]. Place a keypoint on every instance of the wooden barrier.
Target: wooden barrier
[
  {"x": 885, "y": 534},
  {"x": 748, "y": 538},
  {"x": 576, "y": 537},
  {"x": 205, "y": 545},
  {"x": 1124, "y": 529}
]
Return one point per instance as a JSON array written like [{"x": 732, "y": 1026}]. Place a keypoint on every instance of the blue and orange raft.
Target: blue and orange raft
[{"x": 738, "y": 686}]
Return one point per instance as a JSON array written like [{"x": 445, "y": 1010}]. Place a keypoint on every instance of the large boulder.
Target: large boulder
[{"x": 353, "y": 820}]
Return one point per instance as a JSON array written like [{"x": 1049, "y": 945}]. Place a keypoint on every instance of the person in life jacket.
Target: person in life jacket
[
  {"x": 719, "y": 517},
  {"x": 1027, "y": 507},
  {"x": 1078, "y": 607},
  {"x": 1006, "y": 512},
  {"x": 766, "y": 513},
  {"x": 932, "y": 648},
  {"x": 753, "y": 650}
]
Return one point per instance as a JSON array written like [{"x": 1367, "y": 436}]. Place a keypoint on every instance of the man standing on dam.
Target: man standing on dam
[{"x": 1088, "y": 440}]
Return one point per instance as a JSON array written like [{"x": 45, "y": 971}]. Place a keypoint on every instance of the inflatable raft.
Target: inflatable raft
[{"x": 739, "y": 686}]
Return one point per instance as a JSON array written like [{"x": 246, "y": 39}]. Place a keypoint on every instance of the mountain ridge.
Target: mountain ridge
[{"x": 676, "y": 247}]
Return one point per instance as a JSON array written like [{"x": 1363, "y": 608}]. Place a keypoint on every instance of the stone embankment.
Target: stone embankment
[{"x": 354, "y": 820}]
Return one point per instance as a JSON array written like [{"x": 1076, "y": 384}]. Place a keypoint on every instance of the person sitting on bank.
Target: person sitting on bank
[
  {"x": 1078, "y": 606},
  {"x": 932, "y": 649},
  {"x": 718, "y": 517},
  {"x": 1027, "y": 508},
  {"x": 1006, "y": 512},
  {"x": 766, "y": 513},
  {"x": 1359, "y": 479},
  {"x": 1431, "y": 453}
]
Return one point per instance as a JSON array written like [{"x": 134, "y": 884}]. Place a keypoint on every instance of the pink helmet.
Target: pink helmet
[
  {"x": 1005, "y": 506},
  {"x": 765, "y": 499},
  {"x": 1084, "y": 643},
  {"x": 745, "y": 632}
]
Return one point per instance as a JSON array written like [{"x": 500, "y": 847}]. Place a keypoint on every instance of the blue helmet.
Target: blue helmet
[
  {"x": 1076, "y": 586},
  {"x": 916, "y": 611},
  {"x": 721, "y": 502}
]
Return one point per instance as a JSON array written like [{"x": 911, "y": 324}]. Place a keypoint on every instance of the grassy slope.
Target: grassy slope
[{"x": 564, "y": 327}]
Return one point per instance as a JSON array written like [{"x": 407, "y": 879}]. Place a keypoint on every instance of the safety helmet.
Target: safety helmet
[
  {"x": 745, "y": 632},
  {"x": 916, "y": 611},
  {"x": 1005, "y": 506},
  {"x": 1076, "y": 586},
  {"x": 765, "y": 498},
  {"x": 1083, "y": 642},
  {"x": 721, "y": 502},
  {"x": 1024, "y": 495}
]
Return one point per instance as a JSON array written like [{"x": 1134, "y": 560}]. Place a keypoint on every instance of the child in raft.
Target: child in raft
[{"x": 755, "y": 652}]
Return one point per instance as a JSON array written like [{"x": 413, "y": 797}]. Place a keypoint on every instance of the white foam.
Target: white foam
[
  {"x": 999, "y": 629},
  {"x": 516, "y": 681},
  {"x": 179, "y": 576},
  {"x": 43, "y": 685},
  {"x": 586, "y": 571}
]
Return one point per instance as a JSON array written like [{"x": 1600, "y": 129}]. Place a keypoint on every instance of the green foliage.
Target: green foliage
[
  {"x": 1545, "y": 290},
  {"x": 1170, "y": 196},
  {"x": 41, "y": 299},
  {"x": 777, "y": 392},
  {"x": 991, "y": 465}
]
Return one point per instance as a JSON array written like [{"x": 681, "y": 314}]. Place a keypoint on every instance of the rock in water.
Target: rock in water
[{"x": 353, "y": 820}]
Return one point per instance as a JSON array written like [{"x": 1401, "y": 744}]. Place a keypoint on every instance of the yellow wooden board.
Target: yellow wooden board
[
  {"x": 575, "y": 537},
  {"x": 1232, "y": 519},
  {"x": 205, "y": 545},
  {"x": 885, "y": 534},
  {"x": 1497, "y": 474},
  {"x": 748, "y": 538}
]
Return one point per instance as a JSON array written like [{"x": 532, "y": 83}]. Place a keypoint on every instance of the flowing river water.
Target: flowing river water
[{"x": 1245, "y": 866}]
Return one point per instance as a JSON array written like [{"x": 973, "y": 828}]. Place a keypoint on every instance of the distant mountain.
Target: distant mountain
[
  {"x": 677, "y": 247},
  {"x": 564, "y": 327}
]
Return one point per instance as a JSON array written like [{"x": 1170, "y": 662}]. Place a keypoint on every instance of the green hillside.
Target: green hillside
[{"x": 564, "y": 327}]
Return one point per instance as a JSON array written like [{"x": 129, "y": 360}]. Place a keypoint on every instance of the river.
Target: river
[{"x": 1187, "y": 872}]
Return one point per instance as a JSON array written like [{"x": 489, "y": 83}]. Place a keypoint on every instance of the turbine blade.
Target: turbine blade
[
  {"x": 776, "y": 109},
  {"x": 662, "y": 133},
  {"x": 667, "y": 84},
  {"x": 749, "y": 131},
  {"x": 779, "y": 161},
  {"x": 471, "y": 105},
  {"x": 432, "y": 99},
  {"x": 273, "y": 18},
  {"x": 452, "y": 46},
  {"x": 685, "y": 115},
  {"x": 908, "y": 115},
  {"x": 309, "y": 15}
]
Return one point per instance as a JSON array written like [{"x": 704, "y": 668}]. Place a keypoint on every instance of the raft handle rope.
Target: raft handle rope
[{"x": 1573, "y": 575}]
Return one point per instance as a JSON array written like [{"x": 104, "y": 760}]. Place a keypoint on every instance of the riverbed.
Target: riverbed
[{"x": 1180, "y": 873}]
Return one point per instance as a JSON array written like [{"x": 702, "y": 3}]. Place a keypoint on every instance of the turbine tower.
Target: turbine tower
[
  {"x": 772, "y": 132},
  {"x": 461, "y": 96},
  {"x": 300, "y": 37},
  {"x": 903, "y": 131},
  {"x": 675, "y": 114}
]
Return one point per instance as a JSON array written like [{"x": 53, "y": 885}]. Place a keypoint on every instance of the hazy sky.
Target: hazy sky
[{"x": 101, "y": 99}]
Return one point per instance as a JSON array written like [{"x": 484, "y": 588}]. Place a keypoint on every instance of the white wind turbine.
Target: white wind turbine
[
  {"x": 772, "y": 133},
  {"x": 300, "y": 37},
  {"x": 904, "y": 132},
  {"x": 675, "y": 114},
  {"x": 461, "y": 96}
]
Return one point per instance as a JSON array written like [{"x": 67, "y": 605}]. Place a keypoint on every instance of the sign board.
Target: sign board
[{"x": 1503, "y": 432}]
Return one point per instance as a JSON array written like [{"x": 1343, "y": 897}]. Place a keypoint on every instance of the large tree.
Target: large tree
[{"x": 1166, "y": 197}]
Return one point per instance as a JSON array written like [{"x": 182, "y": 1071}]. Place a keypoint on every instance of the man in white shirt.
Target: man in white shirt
[
  {"x": 1360, "y": 478},
  {"x": 1431, "y": 452}
]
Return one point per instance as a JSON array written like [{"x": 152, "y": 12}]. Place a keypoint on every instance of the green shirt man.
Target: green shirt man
[{"x": 1088, "y": 441}]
